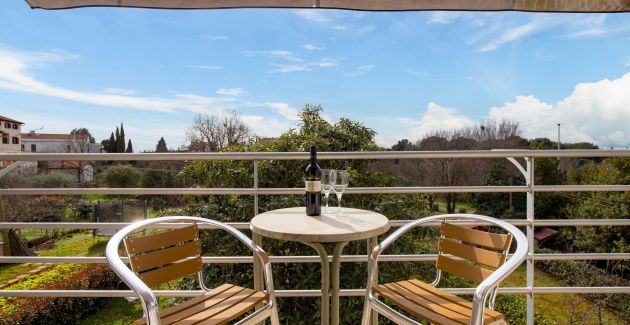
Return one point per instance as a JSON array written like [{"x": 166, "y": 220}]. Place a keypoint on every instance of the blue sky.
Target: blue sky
[{"x": 403, "y": 74}]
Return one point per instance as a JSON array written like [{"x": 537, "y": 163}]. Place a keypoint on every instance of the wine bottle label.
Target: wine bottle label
[{"x": 313, "y": 186}]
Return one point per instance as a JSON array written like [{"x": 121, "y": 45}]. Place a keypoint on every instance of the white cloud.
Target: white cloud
[
  {"x": 281, "y": 54},
  {"x": 443, "y": 17},
  {"x": 313, "y": 15},
  {"x": 14, "y": 75},
  {"x": 120, "y": 91},
  {"x": 511, "y": 35},
  {"x": 285, "y": 110},
  {"x": 594, "y": 112},
  {"x": 204, "y": 67},
  {"x": 365, "y": 68},
  {"x": 230, "y": 91},
  {"x": 266, "y": 127},
  {"x": 627, "y": 64},
  {"x": 312, "y": 47},
  {"x": 478, "y": 22},
  {"x": 341, "y": 27},
  {"x": 436, "y": 118},
  {"x": 308, "y": 66},
  {"x": 217, "y": 38}
]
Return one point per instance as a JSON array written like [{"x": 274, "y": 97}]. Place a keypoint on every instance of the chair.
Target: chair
[
  {"x": 474, "y": 252},
  {"x": 171, "y": 254}
]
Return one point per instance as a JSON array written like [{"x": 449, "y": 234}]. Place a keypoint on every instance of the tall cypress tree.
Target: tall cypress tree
[
  {"x": 116, "y": 145},
  {"x": 161, "y": 146},
  {"x": 129, "y": 147},
  {"x": 111, "y": 144},
  {"x": 121, "y": 140}
]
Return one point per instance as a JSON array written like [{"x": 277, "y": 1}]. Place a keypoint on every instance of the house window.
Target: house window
[
  {"x": 15, "y": 140},
  {"x": 7, "y": 125},
  {"x": 15, "y": 126},
  {"x": 22, "y": 147},
  {"x": 5, "y": 140},
  {"x": 33, "y": 148},
  {"x": 68, "y": 148}
]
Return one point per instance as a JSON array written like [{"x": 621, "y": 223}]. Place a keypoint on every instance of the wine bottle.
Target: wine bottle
[{"x": 313, "y": 185}]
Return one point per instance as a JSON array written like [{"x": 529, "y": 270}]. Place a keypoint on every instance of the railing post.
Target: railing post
[
  {"x": 6, "y": 246},
  {"x": 530, "y": 240},
  {"x": 258, "y": 267}
]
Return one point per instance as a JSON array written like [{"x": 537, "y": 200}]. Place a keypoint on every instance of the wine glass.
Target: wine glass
[
  {"x": 341, "y": 179},
  {"x": 327, "y": 183}
]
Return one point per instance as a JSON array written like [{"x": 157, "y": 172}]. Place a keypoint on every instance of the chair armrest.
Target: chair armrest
[
  {"x": 492, "y": 281},
  {"x": 376, "y": 252},
  {"x": 148, "y": 299}
]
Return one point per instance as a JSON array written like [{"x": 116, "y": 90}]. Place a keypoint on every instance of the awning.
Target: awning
[{"x": 370, "y": 5}]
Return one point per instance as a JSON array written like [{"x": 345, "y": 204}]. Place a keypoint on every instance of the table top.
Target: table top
[{"x": 293, "y": 224}]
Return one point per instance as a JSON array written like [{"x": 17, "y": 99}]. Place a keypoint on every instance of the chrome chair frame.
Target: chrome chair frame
[
  {"x": 146, "y": 295},
  {"x": 486, "y": 288}
]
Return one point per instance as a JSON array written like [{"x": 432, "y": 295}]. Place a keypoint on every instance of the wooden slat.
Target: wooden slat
[
  {"x": 440, "y": 296},
  {"x": 412, "y": 307},
  {"x": 471, "y": 253},
  {"x": 205, "y": 315},
  {"x": 209, "y": 303},
  {"x": 143, "y": 262},
  {"x": 238, "y": 309},
  {"x": 471, "y": 272},
  {"x": 440, "y": 309},
  {"x": 201, "y": 302},
  {"x": 171, "y": 272},
  {"x": 137, "y": 245},
  {"x": 482, "y": 238}
]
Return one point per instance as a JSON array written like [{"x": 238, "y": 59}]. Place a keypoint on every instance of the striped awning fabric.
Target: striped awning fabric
[{"x": 370, "y": 5}]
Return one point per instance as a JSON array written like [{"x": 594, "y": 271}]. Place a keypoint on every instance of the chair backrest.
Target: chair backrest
[
  {"x": 482, "y": 249},
  {"x": 165, "y": 256}
]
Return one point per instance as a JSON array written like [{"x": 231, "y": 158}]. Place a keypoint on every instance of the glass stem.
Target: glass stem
[
  {"x": 326, "y": 197},
  {"x": 339, "y": 201}
]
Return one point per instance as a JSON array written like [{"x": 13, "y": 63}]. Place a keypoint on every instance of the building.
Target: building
[
  {"x": 81, "y": 171},
  {"x": 58, "y": 143},
  {"x": 10, "y": 130}
]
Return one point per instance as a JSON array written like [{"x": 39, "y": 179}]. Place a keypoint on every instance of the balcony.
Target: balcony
[{"x": 522, "y": 160}]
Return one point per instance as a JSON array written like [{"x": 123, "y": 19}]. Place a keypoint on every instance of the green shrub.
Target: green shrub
[
  {"x": 57, "y": 310},
  {"x": 122, "y": 176}
]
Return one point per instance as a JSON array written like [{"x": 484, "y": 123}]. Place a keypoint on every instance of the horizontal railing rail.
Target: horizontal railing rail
[
  {"x": 171, "y": 156},
  {"x": 530, "y": 223}
]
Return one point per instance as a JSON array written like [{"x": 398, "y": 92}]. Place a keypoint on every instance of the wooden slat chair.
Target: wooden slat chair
[
  {"x": 171, "y": 254},
  {"x": 478, "y": 256}
]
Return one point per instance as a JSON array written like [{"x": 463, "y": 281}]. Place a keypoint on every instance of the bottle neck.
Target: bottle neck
[{"x": 313, "y": 155}]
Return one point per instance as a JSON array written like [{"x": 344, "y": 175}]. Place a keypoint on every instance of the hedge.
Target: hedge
[{"x": 58, "y": 310}]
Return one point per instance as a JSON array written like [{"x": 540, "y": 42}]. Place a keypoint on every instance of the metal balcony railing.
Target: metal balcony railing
[{"x": 530, "y": 188}]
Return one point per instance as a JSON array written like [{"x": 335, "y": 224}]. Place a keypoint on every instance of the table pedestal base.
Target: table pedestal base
[{"x": 336, "y": 262}]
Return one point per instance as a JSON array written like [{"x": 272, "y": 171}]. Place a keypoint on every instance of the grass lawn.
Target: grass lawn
[
  {"x": 76, "y": 244},
  {"x": 558, "y": 307}
]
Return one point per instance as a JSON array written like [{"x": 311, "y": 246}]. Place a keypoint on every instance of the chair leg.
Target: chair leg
[
  {"x": 367, "y": 312},
  {"x": 275, "y": 320}
]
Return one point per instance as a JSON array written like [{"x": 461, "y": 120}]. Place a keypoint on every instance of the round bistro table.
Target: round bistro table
[{"x": 294, "y": 225}]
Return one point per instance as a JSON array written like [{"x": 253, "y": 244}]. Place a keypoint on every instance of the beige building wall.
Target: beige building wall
[{"x": 10, "y": 135}]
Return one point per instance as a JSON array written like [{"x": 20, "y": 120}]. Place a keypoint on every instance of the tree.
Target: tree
[
  {"x": 109, "y": 144},
  {"x": 120, "y": 142},
  {"x": 122, "y": 176},
  {"x": 459, "y": 172},
  {"x": 82, "y": 141},
  {"x": 404, "y": 145},
  {"x": 129, "y": 147},
  {"x": 161, "y": 146},
  {"x": 212, "y": 133},
  {"x": 84, "y": 132}
]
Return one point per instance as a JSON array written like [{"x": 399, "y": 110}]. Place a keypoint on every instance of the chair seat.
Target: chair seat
[
  {"x": 432, "y": 304},
  {"x": 218, "y": 306}
]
